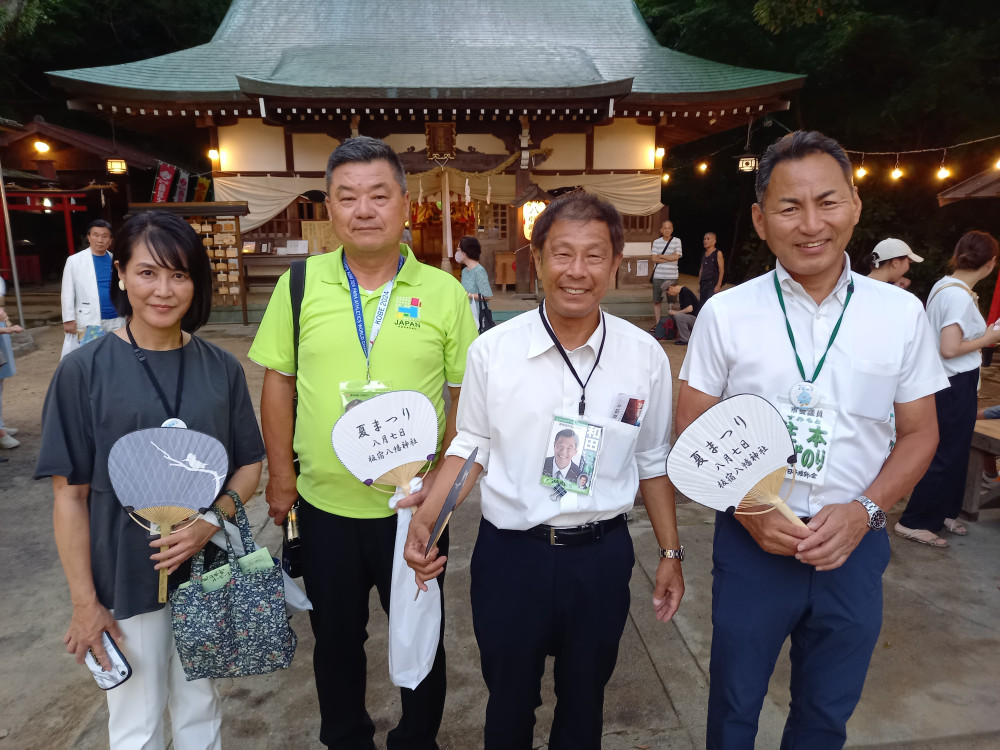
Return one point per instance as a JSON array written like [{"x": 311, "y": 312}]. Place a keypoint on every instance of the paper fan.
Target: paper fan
[
  {"x": 165, "y": 475},
  {"x": 388, "y": 438},
  {"x": 734, "y": 456}
]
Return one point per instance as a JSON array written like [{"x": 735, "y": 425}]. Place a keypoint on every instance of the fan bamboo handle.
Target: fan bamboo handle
[
  {"x": 784, "y": 510},
  {"x": 162, "y": 598}
]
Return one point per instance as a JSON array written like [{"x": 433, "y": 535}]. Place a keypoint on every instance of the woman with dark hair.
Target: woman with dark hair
[
  {"x": 953, "y": 310},
  {"x": 152, "y": 373},
  {"x": 474, "y": 279}
]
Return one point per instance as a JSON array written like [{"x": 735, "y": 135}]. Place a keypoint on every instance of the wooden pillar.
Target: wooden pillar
[
  {"x": 522, "y": 182},
  {"x": 445, "y": 222},
  {"x": 68, "y": 218}
]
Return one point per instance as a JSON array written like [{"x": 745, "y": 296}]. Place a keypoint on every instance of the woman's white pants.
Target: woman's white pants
[{"x": 158, "y": 682}]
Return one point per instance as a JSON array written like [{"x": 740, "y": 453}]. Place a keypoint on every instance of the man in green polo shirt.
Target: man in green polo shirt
[{"x": 415, "y": 333}]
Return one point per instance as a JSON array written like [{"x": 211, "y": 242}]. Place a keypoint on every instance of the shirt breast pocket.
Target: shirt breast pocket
[
  {"x": 618, "y": 453},
  {"x": 873, "y": 389}
]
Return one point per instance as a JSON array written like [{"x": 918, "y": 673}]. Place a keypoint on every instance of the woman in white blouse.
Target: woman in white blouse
[{"x": 953, "y": 310}]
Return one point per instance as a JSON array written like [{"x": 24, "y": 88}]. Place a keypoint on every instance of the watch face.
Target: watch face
[{"x": 877, "y": 521}]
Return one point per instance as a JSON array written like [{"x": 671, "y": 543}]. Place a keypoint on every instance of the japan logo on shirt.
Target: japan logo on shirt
[{"x": 407, "y": 312}]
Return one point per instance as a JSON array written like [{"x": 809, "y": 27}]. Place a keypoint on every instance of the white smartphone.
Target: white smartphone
[{"x": 120, "y": 668}]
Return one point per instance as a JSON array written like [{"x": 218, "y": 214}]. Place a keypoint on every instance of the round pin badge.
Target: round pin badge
[
  {"x": 804, "y": 395},
  {"x": 175, "y": 422}
]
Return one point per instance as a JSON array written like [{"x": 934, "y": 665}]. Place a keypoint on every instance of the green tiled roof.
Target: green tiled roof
[{"x": 437, "y": 49}]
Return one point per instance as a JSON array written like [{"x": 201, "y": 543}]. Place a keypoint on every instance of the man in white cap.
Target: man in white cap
[{"x": 890, "y": 260}]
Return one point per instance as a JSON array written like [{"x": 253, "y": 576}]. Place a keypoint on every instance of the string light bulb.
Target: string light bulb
[
  {"x": 213, "y": 154},
  {"x": 666, "y": 177},
  {"x": 861, "y": 171},
  {"x": 897, "y": 172},
  {"x": 997, "y": 165},
  {"x": 703, "y": 167},
  {"x": 943, "y": 172}
]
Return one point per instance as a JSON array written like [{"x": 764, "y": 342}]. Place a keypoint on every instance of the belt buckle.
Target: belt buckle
[{"x": 552, "y": 537}]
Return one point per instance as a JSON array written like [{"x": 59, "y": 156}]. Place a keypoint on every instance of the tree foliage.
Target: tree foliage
[
  {"x": 882, "y": 75},
  {"x": 41, "y": 35}
]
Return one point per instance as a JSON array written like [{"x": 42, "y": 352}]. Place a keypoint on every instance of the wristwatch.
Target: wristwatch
[
  {"x": 876, "y": 516},
  {"x": 673, "y": 554}
]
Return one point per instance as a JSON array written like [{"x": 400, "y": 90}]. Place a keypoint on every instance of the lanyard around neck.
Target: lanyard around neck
[
  {"x": 171, "y": 413},
  {"x": 559, "y": 348},
  {"x": 359, "y": 314},
  {"x": 791, "y": 336}
]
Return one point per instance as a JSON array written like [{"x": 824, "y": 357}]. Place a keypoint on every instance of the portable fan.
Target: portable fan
[
  {"x": 165, "y": 475},
  {"x": 387, "y": 439},
  {"x": 735, "y": 456}
]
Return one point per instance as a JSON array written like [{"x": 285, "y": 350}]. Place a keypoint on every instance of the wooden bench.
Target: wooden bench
[{"x": 985, "y": 442}]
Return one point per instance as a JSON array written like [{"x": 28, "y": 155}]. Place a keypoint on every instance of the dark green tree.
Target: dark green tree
[{"x": 883, "y": 75}]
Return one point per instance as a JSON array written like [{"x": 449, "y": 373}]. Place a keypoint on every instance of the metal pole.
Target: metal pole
[{"x": 10, "y": 251}]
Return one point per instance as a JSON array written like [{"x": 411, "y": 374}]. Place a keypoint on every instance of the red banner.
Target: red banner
[
  {"x": 181, "y": 190},
  {"x": 161, "y": 188}
]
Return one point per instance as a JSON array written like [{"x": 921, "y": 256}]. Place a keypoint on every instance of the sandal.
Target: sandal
[
  {"x": 955, "y": 527},
  {"x": 922, "y": 536}
]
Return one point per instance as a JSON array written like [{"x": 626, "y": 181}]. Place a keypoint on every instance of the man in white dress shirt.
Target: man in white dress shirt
[
  {"x": 86, "y": 288},
  {"x": 836, "y": 354},
  {"x": 552, "y": 563}
]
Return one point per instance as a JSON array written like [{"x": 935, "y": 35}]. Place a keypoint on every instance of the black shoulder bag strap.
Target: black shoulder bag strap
[
  {"x": 291, "y": 548},
  {"x": 297, "y": 288}
]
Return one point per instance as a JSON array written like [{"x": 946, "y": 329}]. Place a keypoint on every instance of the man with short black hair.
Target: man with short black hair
[
  {"x": 836, "y": 354},
  {"x": 552, "y": 563},
  {"x": 86, "y": 288},
  {"x": 683, "y": 307},
  {"x": 373, "y": 318}
]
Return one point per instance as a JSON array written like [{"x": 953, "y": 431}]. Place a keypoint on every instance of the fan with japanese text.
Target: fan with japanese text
[
  {"x": 735, "y": 456},
  {"x": 166, "y": 475},
  {"x": 387, "y": 439}
]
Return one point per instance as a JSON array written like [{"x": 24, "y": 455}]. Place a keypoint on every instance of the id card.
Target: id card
[
  {"x": 811, "y": 431},
  {"x": 354, "y": 392},
  {"x": 572, "y": 450}
]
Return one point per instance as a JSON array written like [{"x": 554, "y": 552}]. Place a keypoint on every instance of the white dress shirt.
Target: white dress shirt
[
  {"x": 884, "y": 353},
  {"x": 947, "y": 305},
  {"x": 516, "y": 381}
]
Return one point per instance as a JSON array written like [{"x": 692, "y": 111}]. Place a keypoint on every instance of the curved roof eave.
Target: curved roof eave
[{"x": 255, "y": 87}]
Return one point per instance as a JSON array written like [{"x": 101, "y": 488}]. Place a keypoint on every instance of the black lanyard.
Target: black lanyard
[
  {"x": 791, "y": 336},
  {"x": 152, "y": 378},
  {"x": 559, "y": 347}
]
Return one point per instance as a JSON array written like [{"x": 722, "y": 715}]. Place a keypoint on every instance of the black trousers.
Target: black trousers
[
  {"x": 530, "y": 600},
  {"x": 938, "y": 494},
  {"x": 342, "y": 558}
]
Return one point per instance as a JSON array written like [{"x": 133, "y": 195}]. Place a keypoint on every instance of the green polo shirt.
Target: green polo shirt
[{"x": 422, "y": 345}]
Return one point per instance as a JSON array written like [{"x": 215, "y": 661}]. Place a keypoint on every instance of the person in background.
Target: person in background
[
  {"x": 107, "y": 389},
  {"x": 86, "y": 288},
  {"x": 666, "y": 251},
  {"x": 890, "y": 260},
  {"x": 683, "y": 307},
  {"x": 7, "y": 370},
  {"x": 953, "y": 310},
  {"x": 990, "y": 477},
  {"x": 713, "y": 269},
  {"x": 474, "y": 279}
]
